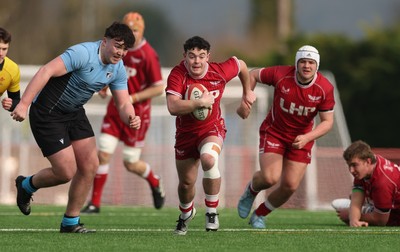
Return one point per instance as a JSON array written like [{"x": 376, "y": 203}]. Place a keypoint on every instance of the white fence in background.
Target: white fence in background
[{"x": 325, "y": 179}]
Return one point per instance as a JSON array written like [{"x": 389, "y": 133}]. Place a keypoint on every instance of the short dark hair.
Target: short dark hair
[
  {"x": 120, "y": 32},
  {"x": 5, "y": 36},
  {"x": 196, "y": 42},
  {"x": 359, "y": 149}
]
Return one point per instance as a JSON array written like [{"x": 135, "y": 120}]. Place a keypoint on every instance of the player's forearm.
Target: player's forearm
[
  {"x": 147, "y": 93},
  {"x": 320, "y": 130},
  {"x": 125, "y": 111},
  {"x": 375, "y": 219},
  {"x": 244, "y": 77},
  {"x": 183, "y": 107},
  {"x": 354, "y": 215}
]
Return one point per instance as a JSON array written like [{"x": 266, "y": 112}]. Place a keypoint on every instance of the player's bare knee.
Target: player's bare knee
[
  {"x": 64, "y": 180},
  {"x": 186, "y": 185},
  {"x": 285, "y": 191},
  {"x": 104, "y": 158},
  {"x": 63, "y": 176},
  {"x": 269, "y": 180},
  {"x": 289, "y": 188},
  {"x": 132, "y": 167},
  {"x": 92, "y": 172}
]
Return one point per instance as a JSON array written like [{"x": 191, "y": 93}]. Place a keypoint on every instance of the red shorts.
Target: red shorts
[
  {"x": 113, "y": 125},
  {"x": 187, "y": 143},
  {"x": 276, "y": 142}
]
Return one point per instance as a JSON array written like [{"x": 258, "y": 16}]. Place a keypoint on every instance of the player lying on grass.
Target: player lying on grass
[{"x": 375, "y": 198}]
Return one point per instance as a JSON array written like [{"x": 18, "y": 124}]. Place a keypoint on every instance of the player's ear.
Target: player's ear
[{"x": 104, "y": 41}]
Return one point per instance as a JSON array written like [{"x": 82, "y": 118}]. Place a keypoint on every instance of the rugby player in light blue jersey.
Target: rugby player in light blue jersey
[{"x": 56, "y": 95}]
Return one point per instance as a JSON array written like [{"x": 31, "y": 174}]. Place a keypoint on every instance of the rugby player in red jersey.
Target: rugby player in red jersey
[
  {"x": 375, "y": 198},
  {"x": 288, "y": 132},
  {"x": 201, "y": 141}
]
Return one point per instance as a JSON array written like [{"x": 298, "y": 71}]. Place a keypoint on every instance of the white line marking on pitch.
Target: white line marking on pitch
[{"x": 381, "y": 231}]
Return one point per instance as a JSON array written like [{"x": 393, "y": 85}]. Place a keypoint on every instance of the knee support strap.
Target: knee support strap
[
  {"x": 131, "y": 154},
  {"x": 212, "y": 149},
  {"x": 107, "y": 143}
]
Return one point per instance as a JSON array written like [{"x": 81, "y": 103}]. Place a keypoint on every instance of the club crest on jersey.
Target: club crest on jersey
[
  {"x": 314, "y": 98},
  {"x": 285, "y": 91},
  {"x": 293, "y": 109},
  {"x": 109, "y": 75},
  {"x": 214, "y": 82},
  {"x": 388, "y": 167}
]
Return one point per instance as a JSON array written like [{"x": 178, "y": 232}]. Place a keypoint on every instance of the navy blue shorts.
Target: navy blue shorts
[{"x": 55, "y": 131}]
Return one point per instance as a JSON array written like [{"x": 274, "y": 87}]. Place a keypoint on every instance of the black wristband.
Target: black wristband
[{"x": 14, "y": 104}]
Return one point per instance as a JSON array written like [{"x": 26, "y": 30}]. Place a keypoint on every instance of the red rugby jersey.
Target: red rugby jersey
[
  {"x": 217, "y": 75},
  {"x": 294, "y": 105}
]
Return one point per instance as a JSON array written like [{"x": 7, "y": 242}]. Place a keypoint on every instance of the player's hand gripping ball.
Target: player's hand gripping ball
[{"x": 195, "y": 91}]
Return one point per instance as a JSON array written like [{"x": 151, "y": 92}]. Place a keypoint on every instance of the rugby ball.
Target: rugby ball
[
  {"x": 195, "y": 91},
  {"x": 339, "y": 204}
]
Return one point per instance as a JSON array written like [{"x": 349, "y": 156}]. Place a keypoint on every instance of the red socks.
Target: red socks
[
  {"x": 153, "y": 180},
  {"x": 262, "y": 210},
  {"x": 98, "y": 185}
]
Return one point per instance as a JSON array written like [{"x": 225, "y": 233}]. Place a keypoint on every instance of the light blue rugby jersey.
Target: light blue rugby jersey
[{"x": 86, "y": 75}]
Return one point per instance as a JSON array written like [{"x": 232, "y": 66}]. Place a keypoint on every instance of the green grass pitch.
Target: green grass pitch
[{"x": 146, "y": 229}]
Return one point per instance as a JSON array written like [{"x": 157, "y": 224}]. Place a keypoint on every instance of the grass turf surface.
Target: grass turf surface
[{"x": 147, "y": 229}]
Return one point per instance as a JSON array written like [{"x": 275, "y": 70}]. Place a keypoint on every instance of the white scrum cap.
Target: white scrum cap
[{"x": 307, "y": 52}]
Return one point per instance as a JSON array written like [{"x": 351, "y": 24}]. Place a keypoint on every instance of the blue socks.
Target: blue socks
[
  {"x": 70, "y": 221},
  {"x": 27, "y": 185},
  {"x": 29, "y": 188}
]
